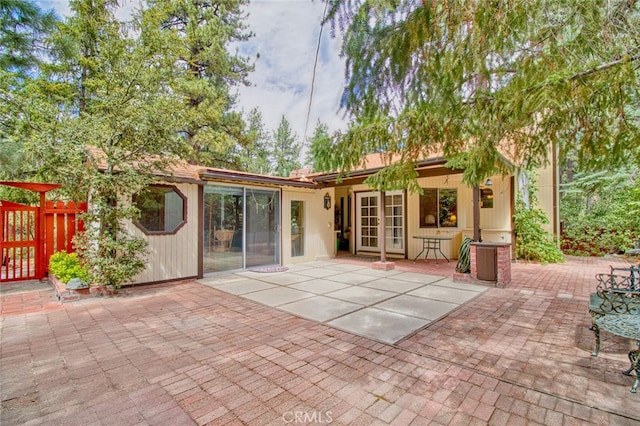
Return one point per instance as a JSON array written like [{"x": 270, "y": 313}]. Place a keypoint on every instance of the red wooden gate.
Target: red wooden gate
[{"x": 19, "y": 242}]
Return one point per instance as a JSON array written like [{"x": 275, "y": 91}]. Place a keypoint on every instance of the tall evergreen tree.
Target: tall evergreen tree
[
  {"x": 253, "y": 156},
  {"x": 23, "y": 29},
  {"x": 201, "y": 33},
  {"x": 286, "y": 149},
  {"x": 111, "y": 92},
  {"x": 320, "y": 155},
  {"x": 476, "y": 78}
]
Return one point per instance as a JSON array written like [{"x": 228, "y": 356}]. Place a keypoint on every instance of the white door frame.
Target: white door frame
[{"x": 367, "y": 224}]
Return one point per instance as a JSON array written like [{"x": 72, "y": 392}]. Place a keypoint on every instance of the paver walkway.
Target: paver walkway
[{"x": 186, "y": 353}]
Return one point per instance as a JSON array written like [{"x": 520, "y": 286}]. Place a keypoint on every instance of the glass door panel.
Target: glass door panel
[
  {"x": 394, "y": 221},
  {"x": 262, "y": 227},
  {"x": 297, "y": 228},
  {"x": 223, "y": 219},
  {"x": 367, "y": 221}
]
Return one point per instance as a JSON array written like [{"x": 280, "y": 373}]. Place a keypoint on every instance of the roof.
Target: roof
[
  {"x": 240, "y": 177},
  {"x": 181, "y": 171},
  {"x": 375, "y": 162},
  {"x": 178, "y": 169}
]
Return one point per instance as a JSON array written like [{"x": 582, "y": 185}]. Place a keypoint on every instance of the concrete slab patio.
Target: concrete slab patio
[
  {"x": 387, "y": 306},
  {"x": 186, "y": 353}
]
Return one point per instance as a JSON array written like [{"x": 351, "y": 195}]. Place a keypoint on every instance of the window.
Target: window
[
  {"x": 162, "y": 209},
  {"x": 297, "y": 228},
  {"x": 439, "y": 208},
  {"x": 486, "y": 198}
]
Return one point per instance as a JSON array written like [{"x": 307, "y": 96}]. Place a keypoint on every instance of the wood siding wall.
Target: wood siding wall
[
  {"x": 464, "y": 214},
  {"x": 176, "y": 256},
  {"x": 173, "y": 256}
]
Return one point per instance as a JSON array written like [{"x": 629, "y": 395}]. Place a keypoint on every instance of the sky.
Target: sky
[{"x": 286, "y": 38}]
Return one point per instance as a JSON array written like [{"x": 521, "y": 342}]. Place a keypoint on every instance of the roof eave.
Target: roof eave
[
  {"x": 233, "y": 177},
  {"x": 330, "y": 177}
]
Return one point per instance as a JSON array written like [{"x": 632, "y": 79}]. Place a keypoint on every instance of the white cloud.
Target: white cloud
[{"x": 286, "y": 38}]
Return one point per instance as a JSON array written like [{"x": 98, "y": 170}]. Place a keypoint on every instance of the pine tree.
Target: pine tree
[
  {"x": 200, "y": 35},
  {"x": 483, "y": 81},
  {"x": 23, "y": 30},
  {"x": 253, "y": 156},
  {"x": 107, "y": 95},
  {"x": 320, "y": 149},
  {"x": 286, "y": 149}
]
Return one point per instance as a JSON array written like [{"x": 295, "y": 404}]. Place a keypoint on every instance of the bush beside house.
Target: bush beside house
[{"x": 66, "y": 266}]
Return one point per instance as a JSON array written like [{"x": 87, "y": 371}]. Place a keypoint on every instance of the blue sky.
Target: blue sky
[{"x": 286, "y": 36}]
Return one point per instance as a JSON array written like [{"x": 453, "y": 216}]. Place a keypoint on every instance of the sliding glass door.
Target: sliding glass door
[
  {"x": 262, "y": 227},
  {"x": 241, "y": 228},
  {"x": 223, "y": 224}
]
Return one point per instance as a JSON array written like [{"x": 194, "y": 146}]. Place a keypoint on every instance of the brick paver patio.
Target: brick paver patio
[{"x": 184, "y": 353}]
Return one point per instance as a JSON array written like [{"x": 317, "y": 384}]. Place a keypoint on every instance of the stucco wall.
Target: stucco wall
[
  {"x": 495, "y": 222},
  {"x": 544, "y": 183},
  {"x": 319, "y": 234}
]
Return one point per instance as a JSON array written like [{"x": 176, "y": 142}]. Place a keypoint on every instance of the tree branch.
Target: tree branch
[{"x": 625, "y": 58}]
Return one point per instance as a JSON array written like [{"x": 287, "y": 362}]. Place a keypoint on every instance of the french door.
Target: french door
[{"x": 368, "y": 208}]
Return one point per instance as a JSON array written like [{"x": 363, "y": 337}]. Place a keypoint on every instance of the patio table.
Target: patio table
[
  {"x": 626, "y": 326},
  {"x": 431, "y": 243}
]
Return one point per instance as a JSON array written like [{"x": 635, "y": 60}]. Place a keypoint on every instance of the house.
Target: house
[{"x": 202, "y": 220}]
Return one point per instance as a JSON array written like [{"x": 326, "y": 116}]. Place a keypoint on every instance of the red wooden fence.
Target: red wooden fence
[{"x": 61, "y": 224}]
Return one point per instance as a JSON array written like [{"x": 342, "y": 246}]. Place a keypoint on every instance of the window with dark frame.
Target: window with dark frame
[
  {"x": 439, "y": 208},
  {"x": 297, "y": 228},
  {"x": 162, "y": 209},
  {"x": 486, "y": 198}
]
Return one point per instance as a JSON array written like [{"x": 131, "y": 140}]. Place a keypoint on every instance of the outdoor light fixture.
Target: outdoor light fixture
[
  {"x": 488, "y": 182},
  {"x": 327, "y": 201}
]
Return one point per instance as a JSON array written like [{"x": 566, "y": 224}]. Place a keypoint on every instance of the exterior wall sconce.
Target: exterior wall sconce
[
  {"x": 489, "y": 182},
  {"x": 327, "y": 201}
]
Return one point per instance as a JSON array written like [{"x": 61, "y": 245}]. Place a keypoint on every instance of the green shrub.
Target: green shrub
[
  {"x": 66, "y": 266},
  {"x": 600, "y": 211},
  {"x": 532, "y": 241}
]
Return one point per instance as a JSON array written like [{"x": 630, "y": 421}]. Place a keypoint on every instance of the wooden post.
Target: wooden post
[
  {"x": 476, "y": 214},
  {"x": 381, "y": 229},
  {"x": 40, "y": 257}
]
